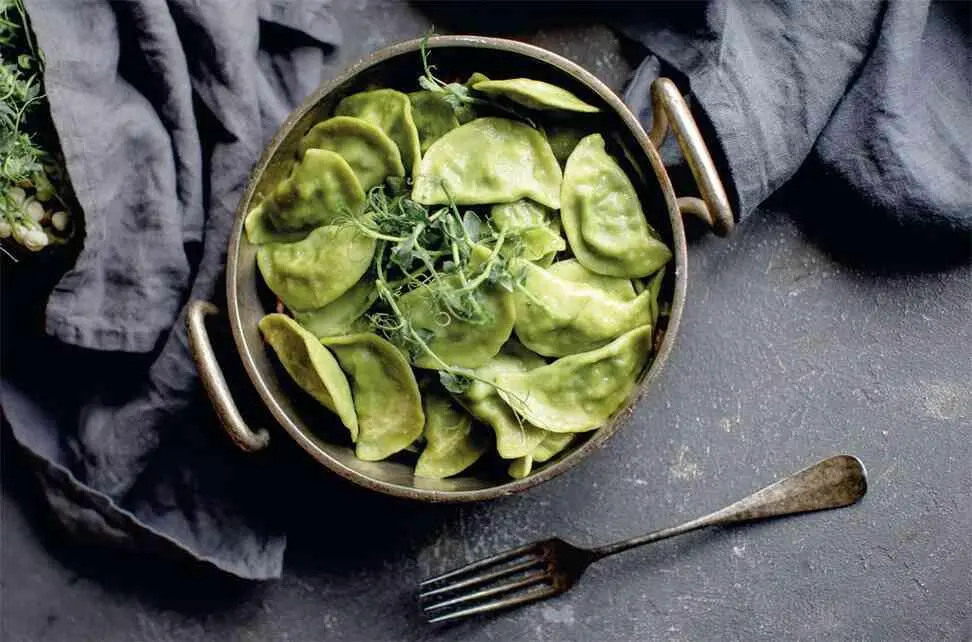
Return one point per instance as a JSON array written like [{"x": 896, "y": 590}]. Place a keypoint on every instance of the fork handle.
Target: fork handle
[{"x": 832, "y": 483}]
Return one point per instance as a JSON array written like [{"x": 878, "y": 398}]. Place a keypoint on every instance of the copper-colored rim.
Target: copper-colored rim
[{"x": 601, "y": 435}]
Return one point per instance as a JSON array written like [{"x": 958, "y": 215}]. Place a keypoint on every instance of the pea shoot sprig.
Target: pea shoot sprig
[
  {"x": 462, "y": 97},
  {"x": 454, "y": 256}
]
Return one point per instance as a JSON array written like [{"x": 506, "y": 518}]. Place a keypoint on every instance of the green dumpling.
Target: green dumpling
[
  {"x": 654, "y": 289},
  {"x": 535, "y": 94},
  {"x": 534, "y": 230},
  {"x": 311, "y": 366},
  {"x": 259, "y": 230},
  {"x": 572, "y": 270},
  {"x": 579, "y": 392},
  {"x": 520, "y": 467},
  {"x": 433, "y": 117},
  {"x": 321, "y": 188},
  {"x": 452, "y": 443},
  {"x": 458, "y": 343},
  {"x": 556, "y": 317},
  {"x": 552, "y": 445},
  {"x": 546, "y": 260},
  {"x": 602, "y": 216},
  {"x": 489, "y": 160},
  {"x": 391, "y": 112},
  {"x": 344, "y": 315},
  {"x": 386, "y": 396},
  {"x": 475, "y": 78},
  {"x": 372, "y": 155},
  {"x": 514, "y": 438},
  {"x": 303, "y": 274}
]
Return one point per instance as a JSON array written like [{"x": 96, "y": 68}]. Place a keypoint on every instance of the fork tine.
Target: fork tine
[
  {"x": 489, "y": 592},
  {"x": 530, "y": 596},
  {"x": 468, "y": 568},
  {"x": 481, "y": 579}
]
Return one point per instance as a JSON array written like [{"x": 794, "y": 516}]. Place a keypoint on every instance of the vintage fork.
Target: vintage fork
[{"x": 549, "y": 567}]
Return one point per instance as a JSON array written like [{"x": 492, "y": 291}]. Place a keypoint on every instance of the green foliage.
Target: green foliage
[
  {"x": 435, "y": 250},
  {"x": 461, "y": 97},
  {"x": 441, "y": 251},
  {"x": 29, "y": 173}
]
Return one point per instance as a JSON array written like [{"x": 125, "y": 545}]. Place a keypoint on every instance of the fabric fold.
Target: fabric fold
[
  {"x": 162, "y": 109},
  {"x": 875, "y": 93}
]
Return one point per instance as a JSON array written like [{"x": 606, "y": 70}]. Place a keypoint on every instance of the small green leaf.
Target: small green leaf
[
  {"x": 458, "y": 90},
  {"x": 454, "y": 382},
  {"x": 404, "y": 253},
  {"x": 412, "y": 210},
  {"x": 452, "y": 228},
  {"x": 472, "y": 224}
]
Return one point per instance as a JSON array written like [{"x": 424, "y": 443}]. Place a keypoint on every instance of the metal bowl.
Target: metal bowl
[{"x": 399, "y": 66}]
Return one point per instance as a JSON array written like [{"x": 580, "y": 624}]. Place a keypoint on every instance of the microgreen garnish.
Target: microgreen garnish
[
  {"x": 434, "y": 249},
  {"x": 460, "y": 96},
  {"x": 31, "y": 210}
]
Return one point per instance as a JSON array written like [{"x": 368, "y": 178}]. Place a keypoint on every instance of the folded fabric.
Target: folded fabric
[
  {"x": 876, "y": 94},
  {"x": 162, "y": 108}
]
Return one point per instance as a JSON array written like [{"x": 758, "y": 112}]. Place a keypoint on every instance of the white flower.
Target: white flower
[
  {"x": 20, "y": 232},
  {"x": 35, "y": 240},
  {"x": 60, "y": 221},
  {"x": 35, "y": 210},
  {"x": 5, "y": 228},
  {"x": 16, "y": 194}
]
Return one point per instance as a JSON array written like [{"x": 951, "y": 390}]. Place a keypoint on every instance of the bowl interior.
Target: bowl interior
[{"x": 399, "y": 67}]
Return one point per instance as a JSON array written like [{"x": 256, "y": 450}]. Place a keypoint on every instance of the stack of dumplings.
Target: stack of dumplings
[{"x": 563, "y": 266}]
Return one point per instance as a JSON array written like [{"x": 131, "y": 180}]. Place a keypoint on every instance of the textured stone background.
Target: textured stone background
[{"x": 793, "y": 347}]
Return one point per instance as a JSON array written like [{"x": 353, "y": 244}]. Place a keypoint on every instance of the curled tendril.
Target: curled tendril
[{"x": 443, "y": 319}]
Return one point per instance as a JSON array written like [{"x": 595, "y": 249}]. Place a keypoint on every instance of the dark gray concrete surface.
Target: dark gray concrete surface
[{"x": 793, "y": 347}]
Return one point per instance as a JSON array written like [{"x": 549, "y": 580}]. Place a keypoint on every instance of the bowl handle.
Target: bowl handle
[
  {"x": 215, "y": 383},
  {"x": 668, "y": 106}
]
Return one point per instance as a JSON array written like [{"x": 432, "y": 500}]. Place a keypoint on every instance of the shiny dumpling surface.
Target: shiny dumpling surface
[
  {"x": 344, "y": 315},
  {"x": 602, "y": 216},
  {"x": 556, "y": 317},
  {"x": 311, "y": 366},
  {"x": 572, "y": 270},
  {"x": 535, "y": 94},
  {"x": 321, "y": 188},
  {"x": 452, "y": 441},
  {"x": 302, "y": 274},
  {"x": 458, "y": 343},
  {"x": 515, "y": 438},
  {"x": 533, "y": 230},
  {"x": 581, "y": 391},
  {"x": 390, "y": 111},
  {"x": 372, "y": 155},
  {"x": 260, "y": 231},
  {"x": 386, "y": 396},
  {"x": 552, "y": 445},
  {"x": 489, "y": 160}
]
